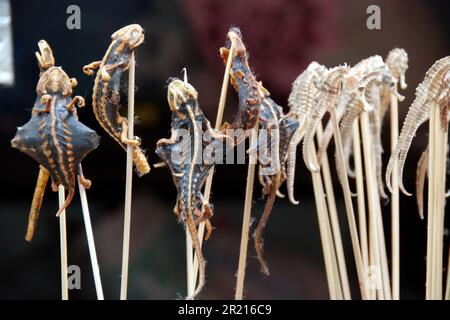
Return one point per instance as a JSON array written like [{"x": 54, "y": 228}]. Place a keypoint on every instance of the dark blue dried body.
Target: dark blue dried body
[
  {"x": 189, "y": 170},
  {"x": 250, "y": 92},
  {"x": 56, "y": 139},
  {"x": 106, "y": 94}
]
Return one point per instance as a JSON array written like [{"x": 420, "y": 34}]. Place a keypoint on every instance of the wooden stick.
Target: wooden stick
[
  {"x": 349, "y": 205},
  {"x": 239, "y": 293},
  {"x": 218, "y": 124},
  {"x": 430, "y": 206},
  {"x": 362, "y": 216},
  {"x": 90, "y": 239},
  {"x": 337, "y": 239},
  {"x": 378, "y": 242},
  {"x": 63, "y": 244},
  {"x": 190, "y": 279},
  {"x": 128, "y": 182},
  {"x": 189, "y": 265},
  {"x": 325, "y": 235},
  {"x": 447, "y": 287},
  {"x": 395, "y": 205},
  {"x": 436, "y": 204}
]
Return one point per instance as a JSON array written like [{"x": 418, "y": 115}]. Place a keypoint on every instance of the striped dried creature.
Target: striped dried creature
[
  {"x": 433, "y": 89},
  {"x": 397, "y": 62},
  {"x": 256, "y": 106},
  {"x": 106, "y": 93},
  {"x": 329, "y": 89},
  {"x": 364, "y": 82},
  {"x": 53, "y": 136},
  {"x": 301, "y": 102},
  {"x": 184, "y": 154}
]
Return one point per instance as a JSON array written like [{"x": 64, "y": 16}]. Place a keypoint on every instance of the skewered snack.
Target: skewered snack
[
  {"x": 256, "y": 107},
  {"x": 106, "y": 93},
  {"x": 54, "y": 136},
  {"x": 182, "y": 152}
]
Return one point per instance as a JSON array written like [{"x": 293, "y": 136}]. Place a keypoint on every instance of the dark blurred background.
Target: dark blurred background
[{"x": 283, "y": 37}]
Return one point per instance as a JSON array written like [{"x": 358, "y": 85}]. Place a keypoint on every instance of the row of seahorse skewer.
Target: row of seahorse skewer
[{"x": 58, "y": 141}]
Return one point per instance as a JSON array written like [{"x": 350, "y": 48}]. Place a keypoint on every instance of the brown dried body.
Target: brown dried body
[{"x": 106, "y": 93}]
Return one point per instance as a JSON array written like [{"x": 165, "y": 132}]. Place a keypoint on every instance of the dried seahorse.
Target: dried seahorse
[
  {"x": 397, "y": 62},
  {"x": 433, "y": 89},
  {"x": 329, "y": 89},
  {"x": 301, "y": 102}
]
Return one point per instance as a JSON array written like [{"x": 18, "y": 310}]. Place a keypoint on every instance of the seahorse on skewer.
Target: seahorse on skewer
[
  {"x": 54, "y": 136},
  {"x": 106, "y": 93},
  {"x": 365, "y": 82},
  {"x": 433, "y": 89},
  {"x": 301, "y": 103}
]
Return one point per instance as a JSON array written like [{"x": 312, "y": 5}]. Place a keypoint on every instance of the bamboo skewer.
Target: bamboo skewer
[
  {"x": 218, "y": 124},
  {"x": 395, "y": 204},
  {"x": 128, "y": 182},
  {"x": 325, "y": 236},
  {"x": 447, "y": 287},
  {"x": 90, "y": 239},
  {"x": 246, "y": 220},
  {"x": 349, "y": 205},
  {"x": 63, "y": 244},
  {"x": 190, "y": 278},
  {"x": 376, "y": 223},
  {"x": 361, "y": 203},
  {"x": 436, "y": 204},
  {"x": 332, "y": 211}
]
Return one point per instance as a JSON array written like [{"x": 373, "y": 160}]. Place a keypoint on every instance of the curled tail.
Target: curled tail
[
  {"x": 36, "y": 204},
  {"x": 257, "y": 235},
  {"x": 67, "y": 202}
]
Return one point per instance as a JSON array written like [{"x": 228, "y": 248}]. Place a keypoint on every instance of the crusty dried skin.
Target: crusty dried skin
[
  {"x": 429, "y": 91},
  {"x": 329, "y": 90},
  {"x": 397, "y": 62},
  {"x": 301, "y": 101},
  {"x": 421, "y": 173}
]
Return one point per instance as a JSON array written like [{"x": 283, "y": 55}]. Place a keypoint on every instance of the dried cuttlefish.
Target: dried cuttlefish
[
  {"x": 433, "y": 89},
  {"x": 106, "y": 93},
  {"x": 54, "y": 136},
  {"x": 184, "y": 153}
]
